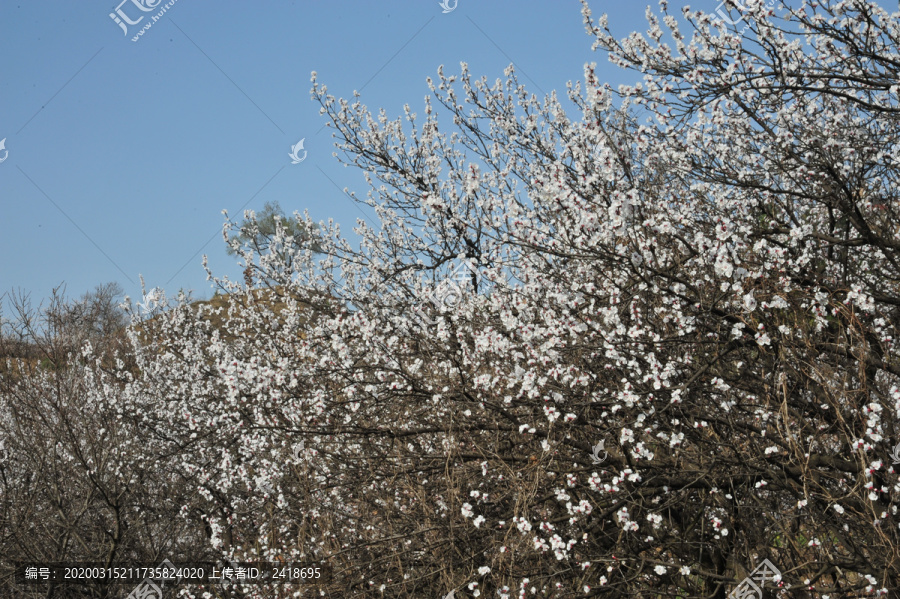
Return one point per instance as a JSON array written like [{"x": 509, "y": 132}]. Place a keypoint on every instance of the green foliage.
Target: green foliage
[{"x": 258, "y": 233}]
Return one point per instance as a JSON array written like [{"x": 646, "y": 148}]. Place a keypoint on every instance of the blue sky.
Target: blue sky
[{"x": 122, "y": 154}]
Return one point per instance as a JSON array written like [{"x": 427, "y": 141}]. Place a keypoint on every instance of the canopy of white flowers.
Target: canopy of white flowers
[{"x": 631, "y": 351}]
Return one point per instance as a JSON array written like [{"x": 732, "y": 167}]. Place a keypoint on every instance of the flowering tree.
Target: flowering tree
[
  {"x": 670, "y": 354},
  {"x": 81, "y": 480}
]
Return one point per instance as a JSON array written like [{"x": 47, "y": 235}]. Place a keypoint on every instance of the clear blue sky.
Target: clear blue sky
[{"x": 122, "y": 154}]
